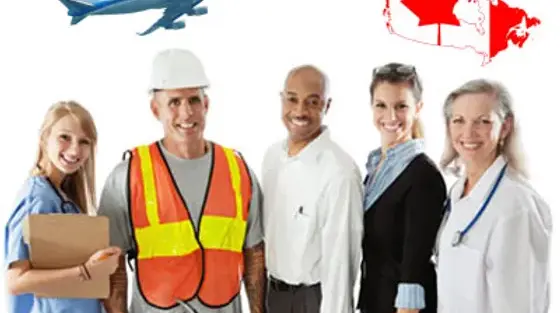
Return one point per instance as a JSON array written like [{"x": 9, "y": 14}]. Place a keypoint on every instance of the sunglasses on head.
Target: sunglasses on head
[{"x": 403, "y": 69}]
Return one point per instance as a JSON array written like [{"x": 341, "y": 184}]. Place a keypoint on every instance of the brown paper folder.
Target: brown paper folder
[{"x": 66, "y": 240}]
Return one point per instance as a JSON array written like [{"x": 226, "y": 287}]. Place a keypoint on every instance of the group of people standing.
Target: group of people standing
[{"x": 192, "y": 221}]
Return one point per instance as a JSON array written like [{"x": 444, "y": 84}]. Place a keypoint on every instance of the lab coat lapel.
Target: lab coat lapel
[
  {"x": 457, "y": 190},
  {"x": 482, "y": 188}
]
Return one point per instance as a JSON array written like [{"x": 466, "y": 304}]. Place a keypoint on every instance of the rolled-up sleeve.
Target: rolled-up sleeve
[
  {"x": 410, "y": 296},
  {"x": 341, "y": 242}
]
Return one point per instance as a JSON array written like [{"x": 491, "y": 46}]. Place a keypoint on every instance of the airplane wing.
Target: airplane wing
[
  {"x": 169, "y": 16},
  {"x": 172, "y": 13}
]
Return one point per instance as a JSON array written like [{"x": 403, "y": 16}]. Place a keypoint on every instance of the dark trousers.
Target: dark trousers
[{"x": 285, "y": 298}]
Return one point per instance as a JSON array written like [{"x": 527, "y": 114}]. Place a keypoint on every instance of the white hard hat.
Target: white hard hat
[{"x": 177, "y": 68}]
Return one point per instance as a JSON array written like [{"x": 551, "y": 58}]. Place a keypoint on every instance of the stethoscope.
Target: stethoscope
[
  {"x": 460, "y": 234},
  {"x": 66, "y": 206}
]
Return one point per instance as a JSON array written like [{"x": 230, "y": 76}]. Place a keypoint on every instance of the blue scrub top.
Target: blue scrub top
[{"x": 36, "y": 196}]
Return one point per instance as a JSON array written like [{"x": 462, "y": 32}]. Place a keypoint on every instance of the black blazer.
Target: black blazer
[{"x": 399, "y": 234}]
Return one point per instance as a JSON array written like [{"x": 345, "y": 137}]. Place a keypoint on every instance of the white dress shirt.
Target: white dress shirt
[
  {"x": 313, "y": 219},
  {"x": 502, "y": 265}
]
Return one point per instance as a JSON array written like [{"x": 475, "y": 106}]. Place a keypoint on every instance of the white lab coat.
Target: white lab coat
[{"x": 502, "y": 265}]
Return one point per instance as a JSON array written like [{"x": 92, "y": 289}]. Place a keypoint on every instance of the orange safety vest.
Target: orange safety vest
[{"x": 173, "y": 262}]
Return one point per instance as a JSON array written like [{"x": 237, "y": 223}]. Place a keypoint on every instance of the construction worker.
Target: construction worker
[
  {"x": 312, "y": 206},
  {"x": 186, "y": 210}
]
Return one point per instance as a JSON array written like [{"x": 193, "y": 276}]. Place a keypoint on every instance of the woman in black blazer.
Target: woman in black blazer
[{"x": 403, "y": 198}]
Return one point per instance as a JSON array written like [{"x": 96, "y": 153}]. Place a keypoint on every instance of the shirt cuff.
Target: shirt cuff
[{"x": 410, "y": 296}]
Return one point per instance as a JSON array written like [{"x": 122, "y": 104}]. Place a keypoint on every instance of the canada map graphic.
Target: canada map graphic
[{"x": 487, "y": 27}]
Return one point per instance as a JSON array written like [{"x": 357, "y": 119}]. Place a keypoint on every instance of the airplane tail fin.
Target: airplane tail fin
[{"x": 77, "y": 7}]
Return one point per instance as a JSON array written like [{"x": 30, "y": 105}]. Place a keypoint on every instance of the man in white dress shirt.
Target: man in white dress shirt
[{"x": 312, "y": 206}]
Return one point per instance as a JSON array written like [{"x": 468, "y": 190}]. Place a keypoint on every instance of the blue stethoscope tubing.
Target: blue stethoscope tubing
[{"x": 459, "y": 235}]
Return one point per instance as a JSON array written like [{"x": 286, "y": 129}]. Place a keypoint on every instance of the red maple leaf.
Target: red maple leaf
[{"x": 433, "y": 12}]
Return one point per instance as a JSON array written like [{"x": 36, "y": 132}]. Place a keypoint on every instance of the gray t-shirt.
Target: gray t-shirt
[{"x": 191, "y": 176}]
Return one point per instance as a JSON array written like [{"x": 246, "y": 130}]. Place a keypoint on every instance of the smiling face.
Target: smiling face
[
  {"x": 394, "y": 112},
  {"x": 304, "y": 104},
  {"x": 182, "y": 113},
  {"x": 476, "y": 128},
  {"x": 67, "y": 147}
]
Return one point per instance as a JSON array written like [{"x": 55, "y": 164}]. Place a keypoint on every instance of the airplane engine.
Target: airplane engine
[
  {"x": 199, "y": 11},
  {"x": 176, "y": 25}
]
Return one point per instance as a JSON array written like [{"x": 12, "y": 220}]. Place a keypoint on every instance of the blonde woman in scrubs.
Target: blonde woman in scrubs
[
  {"x": 493, "y": 247},
  {"x": 61, "y": 182}
]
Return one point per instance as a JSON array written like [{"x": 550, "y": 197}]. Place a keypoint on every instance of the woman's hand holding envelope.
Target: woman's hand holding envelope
[{"x": 103, "y": 263}]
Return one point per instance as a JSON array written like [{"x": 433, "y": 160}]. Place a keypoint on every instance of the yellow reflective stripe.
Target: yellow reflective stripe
[
  {"x": 173, "y": 239},
  {"x": 235, "y": 181},
  {"x": 216, "y": 232},
  {"x": 222, "y": 233},
  {"x": 149, "y": 185}
]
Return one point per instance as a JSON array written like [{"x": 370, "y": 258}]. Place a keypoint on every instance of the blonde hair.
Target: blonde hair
[
  {"x": 417, "y": 129},
  {"x": 79, "y": 186},
  {"x": 510, "y": 148}
]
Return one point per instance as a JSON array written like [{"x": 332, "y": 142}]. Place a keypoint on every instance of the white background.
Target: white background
[{"x": 247, "y": 47}]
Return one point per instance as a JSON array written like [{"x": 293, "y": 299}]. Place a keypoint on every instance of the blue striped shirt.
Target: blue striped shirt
[{"x": 409, "y": 296}]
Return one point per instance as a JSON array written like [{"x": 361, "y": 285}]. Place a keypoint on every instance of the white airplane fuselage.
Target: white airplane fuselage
[{"x": 130, "y": 6}]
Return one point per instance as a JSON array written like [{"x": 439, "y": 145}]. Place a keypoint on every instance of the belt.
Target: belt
[{"x": 279, "y": 285}]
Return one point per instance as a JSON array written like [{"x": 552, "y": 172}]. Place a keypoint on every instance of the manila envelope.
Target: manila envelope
[{"x": 67, "y": 240}]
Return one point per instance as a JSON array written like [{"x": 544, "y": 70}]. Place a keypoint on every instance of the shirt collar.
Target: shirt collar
[
  {"x": 408, "y": 147},
  {"x": 310, "y": 152},
  {"x": 482, "y": 187}
]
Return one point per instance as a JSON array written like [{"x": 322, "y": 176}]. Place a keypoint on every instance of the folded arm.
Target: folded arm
[{"x": 21, "y": 278}]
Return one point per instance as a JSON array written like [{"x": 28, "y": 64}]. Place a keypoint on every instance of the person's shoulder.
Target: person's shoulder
[
  {"x": 275, "y": 149},
  {"x": 425, "y": 168},
  {"x": 425, "y": 162},
  {"x": 526, "y": 199},
  {"x": 115, "y": 183},
  {"x": 272, "y": 154},
  {"x": 119, "y": 170},
  {"x": 121, "y": 167},
  {"x": 515, "y": 181},
  {"x": 339, "y": 162},
  {"x": 36, "y": 196},
  {"x": 39, "y": 188},
  {"x": 236, "y": 151}
]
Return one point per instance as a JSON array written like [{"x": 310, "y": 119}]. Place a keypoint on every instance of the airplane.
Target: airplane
[{"x": 80, "y": 9}]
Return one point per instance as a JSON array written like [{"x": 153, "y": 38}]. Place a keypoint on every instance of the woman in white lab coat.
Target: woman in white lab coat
[{"x": 493, "y": 245}]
